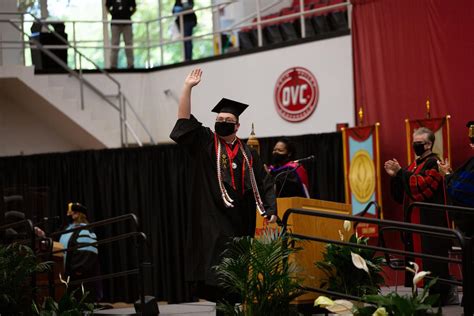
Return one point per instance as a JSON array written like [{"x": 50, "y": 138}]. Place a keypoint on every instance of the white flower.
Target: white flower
[
  {"x": 418, "y": 275},
  {"x": 340, "y": 307},
  {"x": 347, "y": 225},
  {"x": 359, "y": 262},
  {"x": 62, "y": 280},
  {"x": 323, "y": 301},
  {"x": 341, "y": 235},
  {"x": 381, "y": 311}
]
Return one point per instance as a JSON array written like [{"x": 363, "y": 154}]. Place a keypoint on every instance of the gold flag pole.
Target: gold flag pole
[
  {"x": 361, "y": 116},
  {"x": 253, "y": 142},
  {"x": 428, "y": 108}
]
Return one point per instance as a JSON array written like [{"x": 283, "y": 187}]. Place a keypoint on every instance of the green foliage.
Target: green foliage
[
  {"x": 407, "y": 305},
  {"x": 68, "y": 305},
  {"x": 258, "y": 271},
  {"x": 17, "y": 264},
  {"x": 344, "y": 277}
]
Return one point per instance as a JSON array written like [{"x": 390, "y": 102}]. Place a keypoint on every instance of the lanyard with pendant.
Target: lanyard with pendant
[{"x": 232, "y": 153}]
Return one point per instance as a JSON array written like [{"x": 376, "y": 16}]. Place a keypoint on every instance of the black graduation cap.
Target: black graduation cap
[
  {"x": 78, "y": 207},
  {"x": 230, "y": 106}
]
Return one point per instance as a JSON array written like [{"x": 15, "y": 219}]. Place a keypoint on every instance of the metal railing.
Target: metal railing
[
  {"x": 139, "y": 239},
  {"x": 121, "y": 108},
  {"x": 159, "y": 41},
  {"x": 439, "y": 232}
]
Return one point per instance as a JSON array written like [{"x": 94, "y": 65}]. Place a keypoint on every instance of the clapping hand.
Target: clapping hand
[
  {"x": 444, "y": 167},
  {"x": 392, "y": 167}
]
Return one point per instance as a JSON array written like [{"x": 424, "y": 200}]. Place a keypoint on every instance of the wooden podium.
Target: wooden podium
[{"x": 310, "y": 226}]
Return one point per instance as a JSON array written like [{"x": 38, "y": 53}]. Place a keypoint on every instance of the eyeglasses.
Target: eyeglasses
[
  {"x": 226, "y": 120},
  {"x": 419, "y": 143}
]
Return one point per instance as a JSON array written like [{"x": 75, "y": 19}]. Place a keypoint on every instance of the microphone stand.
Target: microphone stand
[{"x": 286, "y": 173}]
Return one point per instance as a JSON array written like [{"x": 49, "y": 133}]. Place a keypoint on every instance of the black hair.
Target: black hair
[{"x": 290, "y": 146}]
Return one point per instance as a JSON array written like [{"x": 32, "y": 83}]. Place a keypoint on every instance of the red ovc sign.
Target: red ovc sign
[{"x": 296, "y": 94}]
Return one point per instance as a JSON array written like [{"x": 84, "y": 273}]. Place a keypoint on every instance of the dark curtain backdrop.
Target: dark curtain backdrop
[
  {"x": 404, "y": 52},
  {"x": 152, "y": 182}
]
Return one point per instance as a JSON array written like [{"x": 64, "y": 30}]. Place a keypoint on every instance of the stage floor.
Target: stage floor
[
  {"x": 184, "y": 309},
  {"x": 205, "y": 308}
]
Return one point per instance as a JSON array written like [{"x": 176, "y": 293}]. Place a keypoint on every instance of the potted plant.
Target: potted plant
[
  {"x": 17, "y": 265},
  {"x": 258, "y": 270},
  {"x": 350, "y": 270},
  {"x": 391, "y": 304}
]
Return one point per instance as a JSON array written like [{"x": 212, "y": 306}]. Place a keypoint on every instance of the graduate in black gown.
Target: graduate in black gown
[
  {"x": 229, "y": 185},
  {"x": 422, "y": 182}
]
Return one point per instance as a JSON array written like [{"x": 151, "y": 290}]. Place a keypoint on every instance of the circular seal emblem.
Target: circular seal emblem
[
  {"x": 296, "y": 94},
  {"x": 362, "y": 176}
]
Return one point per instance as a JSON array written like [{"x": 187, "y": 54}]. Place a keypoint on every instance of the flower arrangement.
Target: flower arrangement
[
  {"x": 391, "y": 304},
  {"x": 350, "y": 270}
]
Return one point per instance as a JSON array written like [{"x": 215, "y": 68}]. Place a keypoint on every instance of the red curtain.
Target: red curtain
[{"x": 406, "y": 51}]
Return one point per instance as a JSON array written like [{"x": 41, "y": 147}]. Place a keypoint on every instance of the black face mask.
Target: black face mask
[
  {"x": 279, "y": 159},
  {"x": 224, "y": 128},
  {"x": 419, "y": 148}
]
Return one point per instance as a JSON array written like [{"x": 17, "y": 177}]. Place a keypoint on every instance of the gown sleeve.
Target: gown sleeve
[
  {"x": 190, "y": 133},
  {"x": 422, "y": 186}
]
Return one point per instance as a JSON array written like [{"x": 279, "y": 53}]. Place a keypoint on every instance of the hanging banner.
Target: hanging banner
[
  {"x": 362, "y": 173},
  {"x": 440, "y": 127}
]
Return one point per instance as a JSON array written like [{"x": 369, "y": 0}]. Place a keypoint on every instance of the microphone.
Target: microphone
[{"x": 309, "y": 158}]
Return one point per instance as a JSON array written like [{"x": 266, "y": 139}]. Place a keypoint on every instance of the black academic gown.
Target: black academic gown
[
  {"x": 460, "y": 188},
  {"x": 422, "y": 182},
  {"x": 212, "y": 225}
]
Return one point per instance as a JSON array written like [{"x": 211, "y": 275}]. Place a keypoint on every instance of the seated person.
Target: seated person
[
  {"x": 291, "y": 178},
  {"x": 81, "y": 263}
]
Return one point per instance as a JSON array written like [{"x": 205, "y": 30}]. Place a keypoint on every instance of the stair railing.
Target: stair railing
[{"x": 125, "y": 127}]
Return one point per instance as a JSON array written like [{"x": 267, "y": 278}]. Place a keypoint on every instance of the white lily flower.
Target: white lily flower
[
  {"x": 82, "y": 289},
  {"x": 415, "y": 265},
  {"x": 341, "y": 307},
  {"x": 341, "y": 235},
  {"x": 381, "y": 311},
  {"x": 62, "y": 280},
  {"x": 347, "y": 225},
  {"x": 359, "y": 262},
  {"x": 323, "y": 301},
  {"x": 419, "y": 275}
]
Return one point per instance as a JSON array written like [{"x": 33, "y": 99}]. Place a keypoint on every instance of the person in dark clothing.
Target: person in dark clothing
[
  {"x": 189, "y": 21},
  {"x": 121, "y": 10},
  {"x": 290, "y": 177},
  {"x": 460, "y": 187},
  {"x": 422, "y": 182},
  {"x": 229, "y": 184}
]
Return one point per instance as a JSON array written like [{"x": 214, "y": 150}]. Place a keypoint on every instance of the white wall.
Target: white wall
[
  {"x": 23, "y": 132},
  {"x": 250, "y": 79}
]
